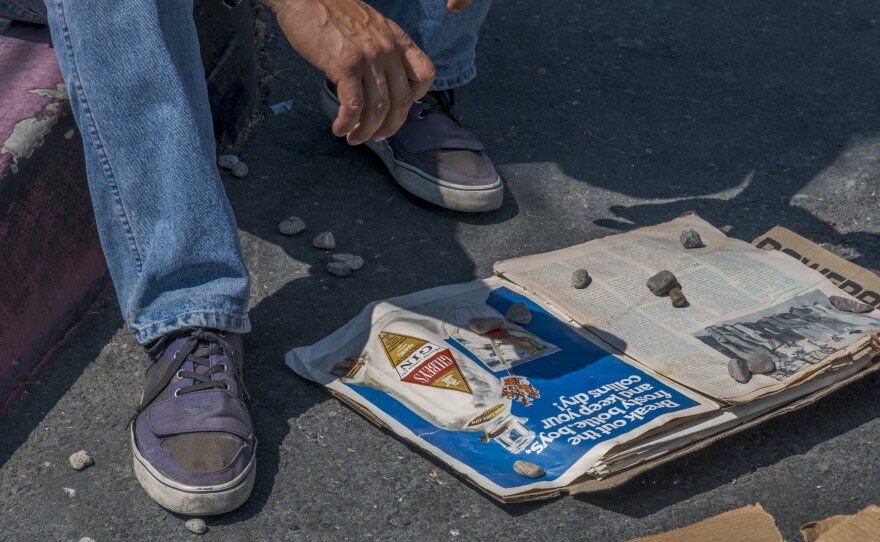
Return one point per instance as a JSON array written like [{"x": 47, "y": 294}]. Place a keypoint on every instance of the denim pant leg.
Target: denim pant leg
[
  {"x": 29, "y": 11},
  {"x": 138, "y": 93},
  {"x": 449, "y": 39}
]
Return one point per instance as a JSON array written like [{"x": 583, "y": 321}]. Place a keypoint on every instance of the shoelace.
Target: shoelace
[
  {"x": 200, "y": 345},
  {"x": 437, "y": 102}
]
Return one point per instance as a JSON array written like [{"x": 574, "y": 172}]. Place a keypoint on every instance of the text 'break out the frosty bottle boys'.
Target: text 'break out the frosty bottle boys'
[{"x": 437, "y": 382}]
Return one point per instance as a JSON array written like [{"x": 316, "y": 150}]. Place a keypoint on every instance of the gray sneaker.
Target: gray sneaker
[{"x": 434, "y": 157}]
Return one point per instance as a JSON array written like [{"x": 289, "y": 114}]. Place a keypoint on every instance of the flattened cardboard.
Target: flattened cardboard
[
  {"x": 815, "y": 529},
  {"x": 746, "y": 524},
  {"x": 861, "y": 527},
  {"x": 849, "y": 277}
]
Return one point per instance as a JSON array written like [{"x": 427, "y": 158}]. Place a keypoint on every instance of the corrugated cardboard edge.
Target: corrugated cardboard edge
[
  {"x": 746, "y": 524},
  {"x": 861, "y": 527},
  {"x": 785, "y": 239},
  {"x": 813, "y": 530}
]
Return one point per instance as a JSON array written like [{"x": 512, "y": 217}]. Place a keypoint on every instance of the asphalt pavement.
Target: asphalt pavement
[{"x": 601, "y": 117}]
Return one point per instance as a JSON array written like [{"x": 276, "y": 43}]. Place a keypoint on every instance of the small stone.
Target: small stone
[
  {"x": 482, "y": 326},
  {"x": 677, "y": 297},
  {"x": 726, "y": 229},
  {"x": 340, "y": 269},
  {"x": 519, "y": 313},
  {"x": 848, "y": 305},
  {"x": 197, "y": 526},
  {"x": 240, "y": 170},
  {"x": 353, "y": 262},
  {"x": 760, "y": 364},
  {"x": 738, "y": 370},
  {"x": 529, "y": 470},
  {"x": 81, "y": 460},
  {"x": 86, "y": 539},
  {"x": 662, "y": 282},
  {"x": 291, "y": 225},
  {"x": 324, "y": 240},
  {"x": 690, "y": 239},
  {"x": 227, "y": 161},
  {"x": 580, "y": 279}
]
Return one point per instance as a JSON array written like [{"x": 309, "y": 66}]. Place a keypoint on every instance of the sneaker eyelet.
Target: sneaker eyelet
[
  {"x": 179, "y": 375},
  {"x": 175, "y": 354},
  {"x": 177, "y": 392},
  {"x": 222, "y": 334},
  {"x": 226, "y": 386},
  {"x": 422, "y": 114},
  {"x": 225, "y": 368}
]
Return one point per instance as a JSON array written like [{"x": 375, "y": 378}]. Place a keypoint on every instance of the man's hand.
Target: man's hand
[
  {"x": 377, "y": 69},
  {"x": 457, "y": 5}
]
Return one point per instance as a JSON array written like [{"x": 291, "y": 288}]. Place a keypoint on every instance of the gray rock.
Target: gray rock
[
  {"x": 760, "y": 364},
  {"x": 324, "y": 240},
  {"x": 677, "y": 297},
  {"x": 86, "y": 539},
  {"x": 340, "y": 269},
  {"x": 291, "y": 226},
  {"x": 580, "y": 279},
  {"x": 529, "y": 470},
  {"x": 738, "y": 370},
  {"x": 353, "y": 262},
  {"x": 81, "y": 460},
  {"x": 240, "y": 170},
  {"x": 849, "y": 305},
  {"x": 519, "y": 313},
  {"x": 482, "y": 326},
  {"x": 726, "y": 229},
  {"x": 691, "y": 239},
  {"x": 662, "y": 282},
  {"x": 197, "y": 526},
  {"x": 227, "y": 161}
]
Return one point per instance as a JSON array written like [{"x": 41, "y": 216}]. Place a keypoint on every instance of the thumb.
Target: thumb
[{"x": 457, "y": 5}]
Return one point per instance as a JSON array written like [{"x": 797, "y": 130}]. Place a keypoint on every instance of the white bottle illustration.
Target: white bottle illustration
[{"x": 437, "y": 382}]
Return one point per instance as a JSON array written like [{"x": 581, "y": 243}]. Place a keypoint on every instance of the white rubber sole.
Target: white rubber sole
[
  {"x": 194, "y": 500},
  {"x": 427, "y": 187}
]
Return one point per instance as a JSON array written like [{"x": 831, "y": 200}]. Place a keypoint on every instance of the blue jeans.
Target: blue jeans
[{"x": 137, "y": 91}]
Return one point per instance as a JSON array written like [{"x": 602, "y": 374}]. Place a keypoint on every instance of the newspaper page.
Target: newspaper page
[
  {"x": 545, "y": 392},
  {"x": 741, "y": 301}
]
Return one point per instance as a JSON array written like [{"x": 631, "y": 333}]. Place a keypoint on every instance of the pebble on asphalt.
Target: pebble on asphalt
[
  {"x": 690, "y": 239},
  {"x": 848, "y": 305},
  {"x": 86, "y": 539},
  {"x": 677, "y": 297},
  {"x": 196, "y": 525},
  {"x": 580, "y": 279},
  {"x": 240, "y": 170},
  {"x": 353, "y": 262},
  {"x": 519, "y": 313},
  {"x": 227, "y": 161},
  {"x": 760, "y": 364},
  {"x": 738, "y": 370},
  {"x": 291, "y": 225},
  {"x": 80, "y": 460},
  {"x": 662, "y": 282},
  {"x": 324, "y": 240},
  {"x": 529, "y": 470},
  {"x": 340, "y": 269},
  {"x": 482, "y": 326}
]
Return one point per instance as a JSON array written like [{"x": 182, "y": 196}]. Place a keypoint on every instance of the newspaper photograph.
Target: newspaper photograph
[
  {"x": 544, "y": 392},
  {"x": 740, "y": 300}
]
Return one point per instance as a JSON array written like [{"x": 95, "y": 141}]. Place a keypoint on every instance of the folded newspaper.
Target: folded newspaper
[{"x": 596, "y": 384}]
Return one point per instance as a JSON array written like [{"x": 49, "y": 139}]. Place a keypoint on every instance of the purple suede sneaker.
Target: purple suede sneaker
[
  {"x": 434, "y": 157},
  {"x": 192, "y": 437}
]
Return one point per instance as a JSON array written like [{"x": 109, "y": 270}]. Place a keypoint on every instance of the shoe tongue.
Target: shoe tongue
[{"x": 439, "y": 100}]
